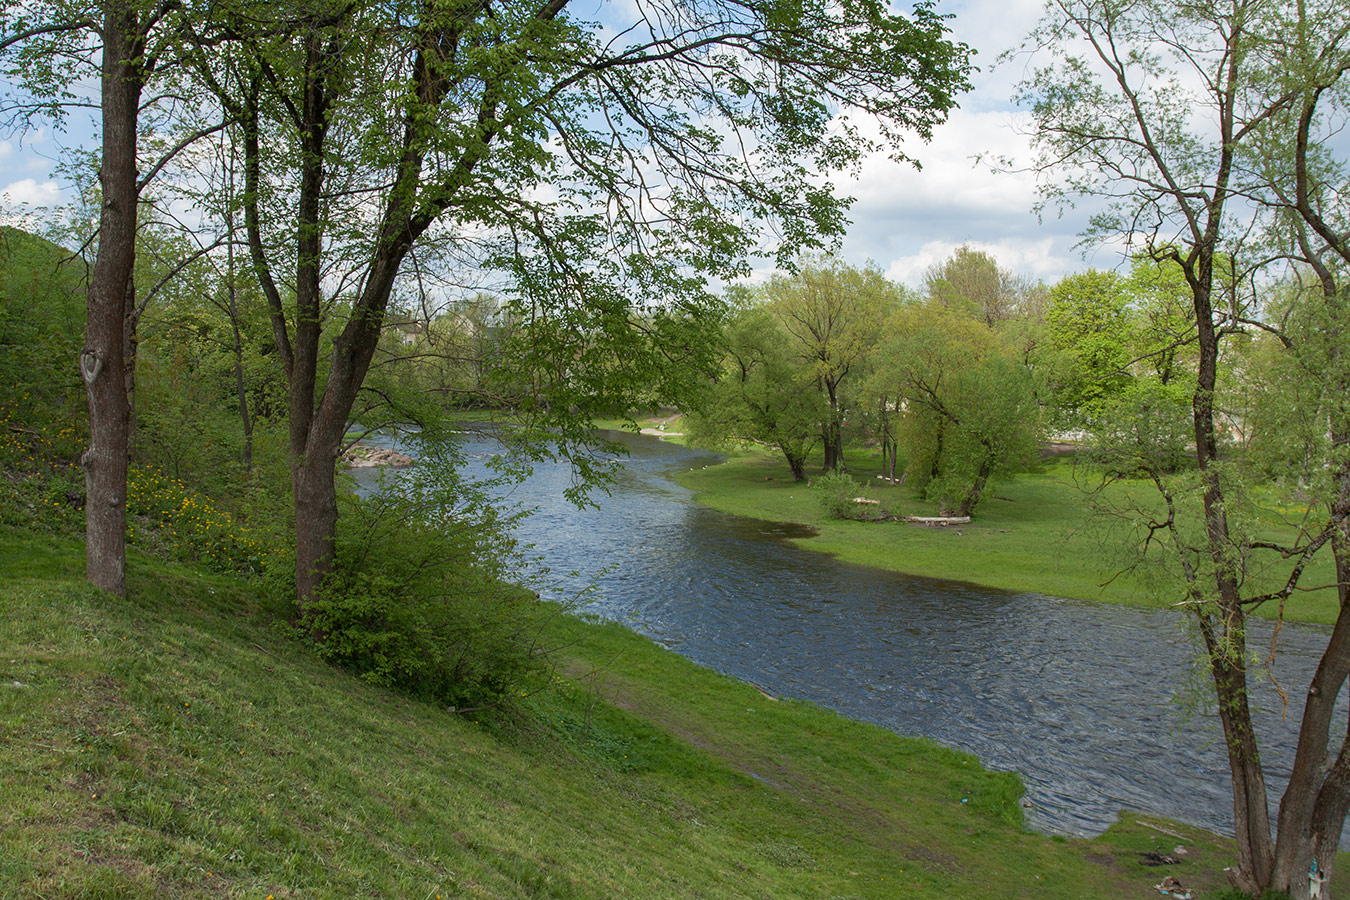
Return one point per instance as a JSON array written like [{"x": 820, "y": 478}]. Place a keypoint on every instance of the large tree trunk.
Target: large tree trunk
[
  {"x": 314, "y": 490},
  {"x": 1251, "y": 818},
  {"x": 972, "y": 497},
  {"x": 795, "y": 462},
  {"x": 1223, "y": 626},
  {"x": 1314, "y": 806},
  {"x": 103, "y": 363}
]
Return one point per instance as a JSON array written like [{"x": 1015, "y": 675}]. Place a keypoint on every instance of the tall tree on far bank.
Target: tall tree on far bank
[
  {"x": 596, "y": 171},
  {"x": 967, "y": 409},
  {"x": 762, "y": 393},
  {"x": 972, "y": 282},
  {"x": 1156, "y": 108},
  {"x": 833, "y": 313},
  {"x": 1087, "y": 346}
]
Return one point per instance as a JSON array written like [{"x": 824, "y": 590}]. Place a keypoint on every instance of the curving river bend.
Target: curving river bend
[{"x": 1083, "y": 700}]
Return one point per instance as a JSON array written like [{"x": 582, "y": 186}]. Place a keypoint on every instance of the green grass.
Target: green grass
[
  {"x": 182, "y": 743},
  {"x": 1031, "y": 533}
]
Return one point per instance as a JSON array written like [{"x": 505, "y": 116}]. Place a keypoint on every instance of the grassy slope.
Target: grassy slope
[
  {"x": 1032, "y": 534},
  {"x": 179, "y": 744}
]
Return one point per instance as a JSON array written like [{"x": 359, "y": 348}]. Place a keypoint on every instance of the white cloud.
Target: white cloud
[
  {"x": 906, "y": 219},
  {"x": 31, "y": 192},
  {"x": 904, "y": 216}
]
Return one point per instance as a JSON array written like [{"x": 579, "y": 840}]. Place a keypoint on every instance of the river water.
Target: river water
[{"x": 1085, "y": 701}]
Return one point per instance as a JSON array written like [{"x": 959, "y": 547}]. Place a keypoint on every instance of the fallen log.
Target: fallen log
[{"x": 937, "y": 521}]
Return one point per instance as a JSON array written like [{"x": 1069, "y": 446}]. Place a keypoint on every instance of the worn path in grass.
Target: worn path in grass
[{"x": 932, "y": 813}]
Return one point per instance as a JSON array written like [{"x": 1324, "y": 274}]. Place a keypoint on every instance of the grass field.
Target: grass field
[
  {"x": 1033, "y": 532},
  {"x": 182, "y": 743}
]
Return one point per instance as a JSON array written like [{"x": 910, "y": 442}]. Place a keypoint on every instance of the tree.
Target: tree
[
  {"x": 590, "y": 168},
  {"x": 1161, "y": 116},
  {"x": 131, "y": 45},
  {"x": 1088, "y": 335},
  {"x": 833, "y": 313},
  {"x": 763, "y": 393},
  {"x": 206, "y": 376},
  {"x": 1307, "y": 58},
  {"x": 1163, "y": 321},
  {"x": 968, "y": 408},
  {"x": 973, "y": 282}
]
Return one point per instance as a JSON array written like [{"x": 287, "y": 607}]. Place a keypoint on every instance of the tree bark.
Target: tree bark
[
  {"x": 972, "y": 497},
  {"x": 832, "y": 434},
  {"x": 314, "y": 491},
  {"x": 103, "y": 362},
  {"x": 1251, "y": 819}
]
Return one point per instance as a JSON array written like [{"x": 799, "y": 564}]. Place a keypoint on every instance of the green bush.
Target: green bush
[
  {"x": 836, "y": 491},
  {"x": 419, "y": 601},
  {"x": 41, "y": 330}
]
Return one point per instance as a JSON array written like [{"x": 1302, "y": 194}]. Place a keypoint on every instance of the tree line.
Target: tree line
[
  {"x": 347, "y": 150},
  {"x": 953, "y": 385}
]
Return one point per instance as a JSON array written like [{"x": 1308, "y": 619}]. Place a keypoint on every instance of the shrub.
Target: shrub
[
  {"x": 836, "y": 492},
  {"x": 419, "y": 599}
]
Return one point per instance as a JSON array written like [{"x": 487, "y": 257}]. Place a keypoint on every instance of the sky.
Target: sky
[{"x": 904, "y": 220}]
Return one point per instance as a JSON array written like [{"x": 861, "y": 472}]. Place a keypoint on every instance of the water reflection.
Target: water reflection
[{"x": 1080, "y": 699}]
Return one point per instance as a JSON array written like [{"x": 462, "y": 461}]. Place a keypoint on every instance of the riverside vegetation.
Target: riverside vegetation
[
  {"x": 495, "y": 145},
  {"x": 186, "y": 742},
  {"x": 1036, "y": 533}
]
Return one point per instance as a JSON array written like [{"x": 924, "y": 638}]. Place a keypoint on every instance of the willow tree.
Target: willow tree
[
  {"x": 833, "y": 313},
  {"x": 1172, "y": 116},
  {"x": 973, "y": 282},
  {"x": 762, "y": 393},
  {"x": 597, "y": 170},
  {"x": 966, "y": 408}
]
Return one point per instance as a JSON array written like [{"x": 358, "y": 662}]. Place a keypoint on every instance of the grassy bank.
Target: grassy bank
[
  {"x": 182, "y": 744},
  {"x": 1034, "y": 533}
]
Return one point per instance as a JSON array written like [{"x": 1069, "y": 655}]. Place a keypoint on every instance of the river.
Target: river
[{"x": 1085, "y": 701}]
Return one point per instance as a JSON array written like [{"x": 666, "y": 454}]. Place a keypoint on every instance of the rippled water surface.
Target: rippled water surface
[{"x": 1083, "y": 700}]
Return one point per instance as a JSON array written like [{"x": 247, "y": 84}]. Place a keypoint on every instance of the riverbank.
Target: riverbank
[
  {"x": 1034, "y": 533},
  {"x": 181, "y": 744}
]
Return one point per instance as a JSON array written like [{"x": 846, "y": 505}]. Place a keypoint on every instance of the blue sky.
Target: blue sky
[{"x": 904, "y": 220}]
